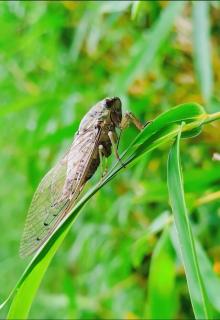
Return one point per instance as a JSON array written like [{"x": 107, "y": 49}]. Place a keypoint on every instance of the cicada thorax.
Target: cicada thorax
[{"x": 104, "y": 138}]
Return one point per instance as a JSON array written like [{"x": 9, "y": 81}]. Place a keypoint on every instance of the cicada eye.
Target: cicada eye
[
  {"x": 114, "y": 102},
  {"x": 108, "y": 103}
]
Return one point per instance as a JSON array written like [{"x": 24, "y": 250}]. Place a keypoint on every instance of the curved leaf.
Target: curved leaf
[{"x": 197, "y": 291}]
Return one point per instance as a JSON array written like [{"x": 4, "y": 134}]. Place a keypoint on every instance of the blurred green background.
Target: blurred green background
[{"x": 57, "y": 59}]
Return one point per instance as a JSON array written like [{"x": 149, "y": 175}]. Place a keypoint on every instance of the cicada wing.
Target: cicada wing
[
  {"x": 50, "y": 203},
  {"x": 41, "y": 208}
]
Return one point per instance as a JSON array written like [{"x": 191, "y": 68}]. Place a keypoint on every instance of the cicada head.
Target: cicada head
[
  {"x": 114, "y": 106},
  {"x": 107, "y": 110}
]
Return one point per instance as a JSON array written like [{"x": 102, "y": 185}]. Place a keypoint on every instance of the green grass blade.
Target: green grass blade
[
  {"x": 30, "y": 280},
  {"x": 148, "y": 48},
  {"x": 136, "y": 6},
  {"x": 202, "y": 50},
  {"x": 144, "y": 244},
  {"x": 197, "y": 291},
  {"x": 210, "y": 279},
  {"x": 164, "y": 125},
  {"x": 21, "y": 304},
  {"x": 186, "y": 112},
  {"x": 161, "y": 287},
  {"x": 82, "y": 30}
]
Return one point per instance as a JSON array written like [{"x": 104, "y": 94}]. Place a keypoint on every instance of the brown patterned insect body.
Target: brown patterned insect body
[
  {"x": 93, "y": 131},
  {"x": 62, "y": 185}
]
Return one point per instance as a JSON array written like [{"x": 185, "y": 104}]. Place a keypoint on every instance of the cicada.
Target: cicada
[{"x": 62, "y": 185}]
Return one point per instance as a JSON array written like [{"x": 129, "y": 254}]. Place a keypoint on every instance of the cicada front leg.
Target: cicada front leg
[{"x": 128, "y": 118}]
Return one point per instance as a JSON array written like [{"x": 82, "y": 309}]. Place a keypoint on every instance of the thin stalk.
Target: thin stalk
[{"x": 212, "y": 117}]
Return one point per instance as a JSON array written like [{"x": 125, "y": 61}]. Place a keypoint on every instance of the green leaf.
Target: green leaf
[
  {"x": 186, "y": 112},
  {"x": 210, "y": 279},
  {"x": 82, "y": 30},
  {"x": 33, "y": 275},
  {"x": 193, "y": 133},
  {"x": 148, "y": 48},
  {"x": 201, "y": 47},
  {"x": 136, "y": 6},
  {"x": 161, "y": 288},
  {"x": 165, "y": 127},
  {"x": 30, "y": 280},
  {"x": 144, "y": 244},
  {"x": 198, "y": 295}
]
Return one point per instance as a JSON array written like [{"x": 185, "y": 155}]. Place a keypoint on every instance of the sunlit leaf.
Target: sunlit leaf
[
  {"x": 161, "y": 287},
  {"x": 198, "y": 294},
  {"x": 202, "y": 47}
]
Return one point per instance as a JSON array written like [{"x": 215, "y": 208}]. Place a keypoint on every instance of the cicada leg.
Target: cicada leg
[
  {"x": 103, "y": 161},
  {"x": 128, "y": 118},
  {"x": 114, "y": 141}
]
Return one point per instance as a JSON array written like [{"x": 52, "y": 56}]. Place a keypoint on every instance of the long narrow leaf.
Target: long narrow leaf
[
  {"x": 161, "y": 287},
  {"x": 210, "y": 279},
  {"x": 202, "y": 47},
  {"x": 148, "y": 48},
  {"x": 197, "y": 291}
]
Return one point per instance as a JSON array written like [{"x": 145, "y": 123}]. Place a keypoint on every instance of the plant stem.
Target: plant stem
[
  {"x": 203, "y": 119},
  {"x": 212, "y": 117}
]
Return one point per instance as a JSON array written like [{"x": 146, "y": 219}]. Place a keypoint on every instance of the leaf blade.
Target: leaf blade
[
  {"x": 197, "y": 291},
  {"x": 161, "y": 288},
  {"x": 148, "y": 48},
  {"x": 202, "y": 47}
]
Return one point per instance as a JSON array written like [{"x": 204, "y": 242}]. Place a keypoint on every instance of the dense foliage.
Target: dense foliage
[{"x": 57, "y": 59}]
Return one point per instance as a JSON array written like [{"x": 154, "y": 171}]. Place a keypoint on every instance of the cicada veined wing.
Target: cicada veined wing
[{"x": 58, "y": 191}]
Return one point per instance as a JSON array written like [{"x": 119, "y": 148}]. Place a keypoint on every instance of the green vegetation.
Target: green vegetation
[{"x": 125, "y": 254}]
